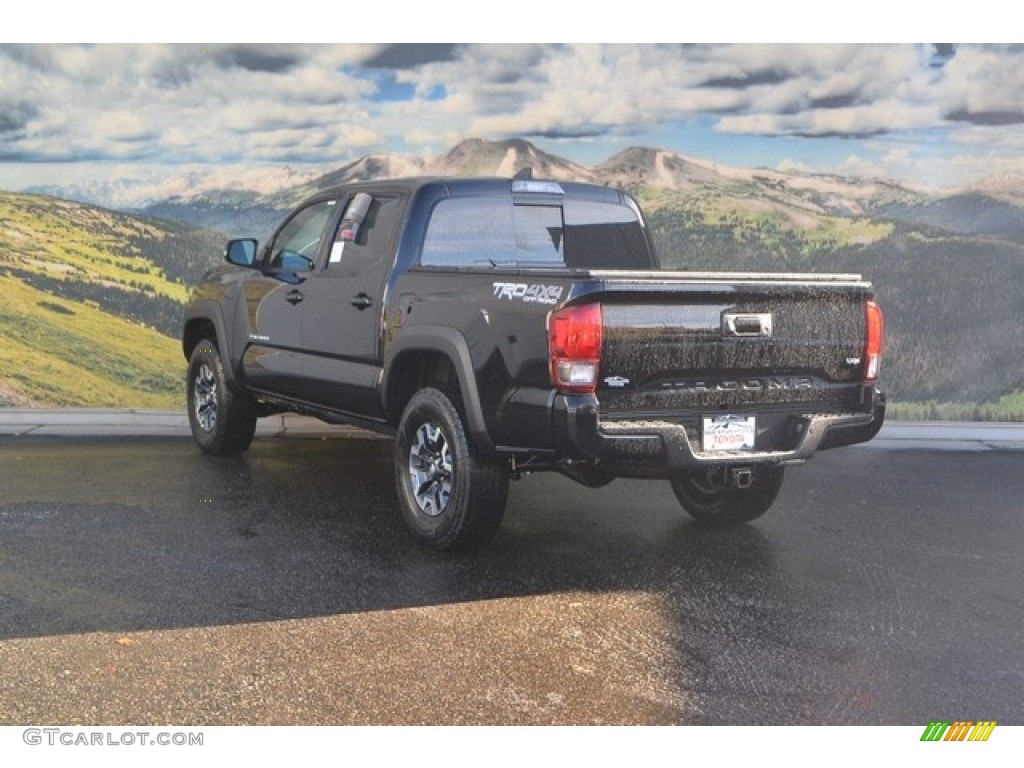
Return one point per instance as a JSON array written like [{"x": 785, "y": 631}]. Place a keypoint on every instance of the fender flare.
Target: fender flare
[
  {"x": 451, "y": 343},
  {"x": 210, "y": 311}
]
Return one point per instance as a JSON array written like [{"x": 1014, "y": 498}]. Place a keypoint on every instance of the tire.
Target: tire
[
  {"x": 451, "y": 498},
  {"x": 222, "y": 422},
  {"x": 707, "y": 500}
]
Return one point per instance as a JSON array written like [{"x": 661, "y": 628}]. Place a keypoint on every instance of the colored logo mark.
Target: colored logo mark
[{"x": 960, "y": 730}]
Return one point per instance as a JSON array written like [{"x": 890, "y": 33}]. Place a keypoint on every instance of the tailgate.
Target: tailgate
[{"x": 717, "y": 343}]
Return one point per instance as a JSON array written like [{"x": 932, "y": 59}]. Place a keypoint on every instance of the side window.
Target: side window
[
  {"x": 362, "y": 233},
  {"x": 294, "y": 249},
  {"x": 472, "y": 231}
]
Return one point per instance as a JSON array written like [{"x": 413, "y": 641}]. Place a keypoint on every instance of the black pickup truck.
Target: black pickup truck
[{"x": 498, "y": 327}]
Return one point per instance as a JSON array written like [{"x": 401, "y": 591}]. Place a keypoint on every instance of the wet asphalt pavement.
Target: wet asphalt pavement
[{"x": 142, "y": 582}]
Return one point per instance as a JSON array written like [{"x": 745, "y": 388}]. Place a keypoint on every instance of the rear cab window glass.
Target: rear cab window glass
[
  {"x": 501, "y": 231},
  {"x": 604, "y": 236},
  {"x": 489, "y": 231}
]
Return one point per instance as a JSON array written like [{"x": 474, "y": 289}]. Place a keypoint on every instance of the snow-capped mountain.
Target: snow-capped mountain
[
  {"x": 235, "y": 200},
  {"x": 479, "y": 157}
]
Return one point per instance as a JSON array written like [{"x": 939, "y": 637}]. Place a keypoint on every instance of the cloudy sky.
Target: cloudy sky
[{"x": 933, "y": 114}]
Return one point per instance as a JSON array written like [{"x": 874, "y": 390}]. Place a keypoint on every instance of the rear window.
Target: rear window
[{"x": 497, "y": 231}]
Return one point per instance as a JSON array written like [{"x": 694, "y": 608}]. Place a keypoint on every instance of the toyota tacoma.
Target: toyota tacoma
[{"x": 500, "y": 327}]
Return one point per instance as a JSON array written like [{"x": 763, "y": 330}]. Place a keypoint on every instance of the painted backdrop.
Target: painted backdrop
[{"x": 124, "y": 168}]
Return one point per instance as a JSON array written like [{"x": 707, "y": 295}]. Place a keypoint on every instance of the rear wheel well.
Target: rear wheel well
[{"x": 415, "y": 370}]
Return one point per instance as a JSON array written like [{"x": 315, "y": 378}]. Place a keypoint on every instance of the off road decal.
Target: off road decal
[{"x": 530, "y": 293}]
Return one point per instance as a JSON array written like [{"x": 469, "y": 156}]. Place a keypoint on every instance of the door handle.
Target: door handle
[
  {"x": 294, "y": 297},
  {"x": 362, "y": 301}
]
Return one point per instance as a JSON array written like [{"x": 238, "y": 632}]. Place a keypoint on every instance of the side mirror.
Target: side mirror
[{"x": 241, "y": 253}]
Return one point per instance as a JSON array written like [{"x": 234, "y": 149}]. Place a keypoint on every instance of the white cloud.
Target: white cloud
[
  {"x": 899, "y": 156},
  {"x": 200, "y": 104},
  {"x": 985, "y": 82},
  {"x": 316, "y": 103},
  {"x": 748, "y": 89},
  {"x": 793, "y": 166}
]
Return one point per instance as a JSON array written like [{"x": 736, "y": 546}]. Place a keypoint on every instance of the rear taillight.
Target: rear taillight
[
  {"x": 574, "y": 347},
  {"x": 873, "y": 345}
]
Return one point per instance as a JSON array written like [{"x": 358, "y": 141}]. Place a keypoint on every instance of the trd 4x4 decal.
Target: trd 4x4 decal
[{"x": 529, "y": 293}]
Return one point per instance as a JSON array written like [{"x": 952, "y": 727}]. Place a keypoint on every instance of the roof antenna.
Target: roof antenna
[{"x": 524, "y": 174}]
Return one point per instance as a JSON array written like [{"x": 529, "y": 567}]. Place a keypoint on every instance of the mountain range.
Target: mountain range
[
  {"x": 192, "y": 194},
  {"x": 947, "y": 264}
]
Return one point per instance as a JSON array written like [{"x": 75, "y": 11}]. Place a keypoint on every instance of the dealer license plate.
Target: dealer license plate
[{"x": 729, "y": 433}]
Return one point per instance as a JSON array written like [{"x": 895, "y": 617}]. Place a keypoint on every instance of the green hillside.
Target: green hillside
[
  {"x": 953, "y": 301},
  {"x": 92, "y": 304},
  {"x": 953, "y": 313},
  {"x": 740, "y": 225}
]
